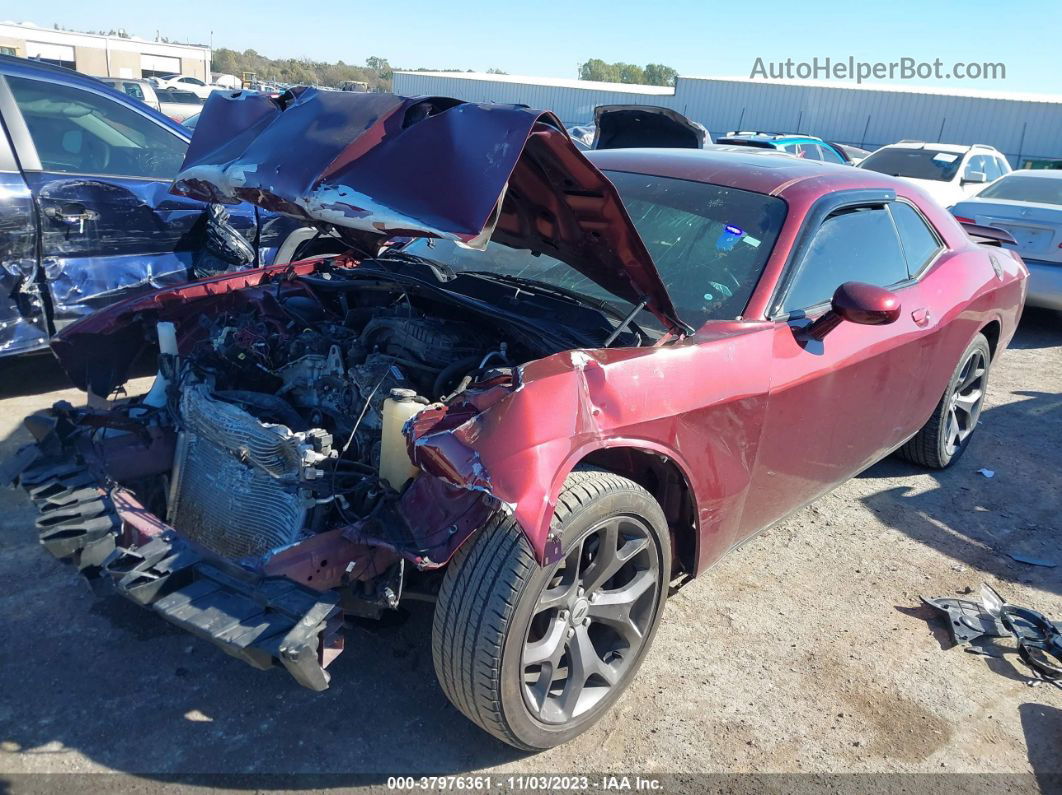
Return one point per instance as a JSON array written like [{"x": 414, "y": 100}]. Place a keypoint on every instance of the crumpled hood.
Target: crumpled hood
[
  {"x": 626, "y": 126},
  {"x": 378, "y": 166}
]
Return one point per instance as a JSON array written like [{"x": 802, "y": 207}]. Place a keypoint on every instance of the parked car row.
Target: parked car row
[{"x": 975, "y": 181}]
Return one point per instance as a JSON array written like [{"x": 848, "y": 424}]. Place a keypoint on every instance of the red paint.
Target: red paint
[
  {"x": 756, "y": 419},
  {"x": 758, "y": 424}
]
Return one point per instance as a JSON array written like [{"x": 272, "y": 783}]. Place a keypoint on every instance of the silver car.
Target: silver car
[{"x": 1028, "y": 204}]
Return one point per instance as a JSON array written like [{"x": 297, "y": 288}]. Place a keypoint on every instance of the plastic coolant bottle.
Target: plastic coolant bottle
[{"x": 395, "y": 466}]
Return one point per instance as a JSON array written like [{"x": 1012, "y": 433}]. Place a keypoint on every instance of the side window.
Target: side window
[
  {"x": 192, "y": 81},
  {"x": 975, "y": 163},
  {"x": 829, "y": 155},
  {"x": 992, "y": 169},
  {"x": 1004, "y": 166},
  {"x": 134, "y": 90},
  {"x": 920, "y": 244},
  {"x": 792, "y": 149},
  {"x": 852, "y": 245},
  {"x": 809, "y": 152},
  {"x": 79, "y": 132}
]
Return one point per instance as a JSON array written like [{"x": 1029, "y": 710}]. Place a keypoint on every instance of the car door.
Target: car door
[
  {"x": 836, "y": 405},
  {"x": 23, "y": 323},
  {"x": 99, "y": 168}
]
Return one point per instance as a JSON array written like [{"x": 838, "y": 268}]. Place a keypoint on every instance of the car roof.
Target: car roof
[
  {"x": 757, "y": 170},
  {"x": 124, "y": 80},
  {"x": 1048, "y": 173},
  {"x": 959, "y": 149},
  {"x": 774, "y": 136}
]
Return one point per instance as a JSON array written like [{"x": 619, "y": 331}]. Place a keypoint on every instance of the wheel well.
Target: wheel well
[
  {"x": 991, "y": 332},
  {"x": 663, "y": 479}
]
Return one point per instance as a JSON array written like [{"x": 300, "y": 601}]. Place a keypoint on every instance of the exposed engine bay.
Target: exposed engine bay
[{"x": 289, "y": 413}]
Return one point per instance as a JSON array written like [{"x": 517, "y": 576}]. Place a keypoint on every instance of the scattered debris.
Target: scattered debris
[
  {"x": 1039, "y": 640},
  {"x": 1022, "y": 558},
  {"x": 988, "y": 473}
]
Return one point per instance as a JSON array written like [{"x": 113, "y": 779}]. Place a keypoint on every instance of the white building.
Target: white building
[
  {"x": 104, "y": 56},
  {"x": 1022, "y": 126}
]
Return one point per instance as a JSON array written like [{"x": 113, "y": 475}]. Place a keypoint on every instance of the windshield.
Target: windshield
[
  {"x": 1022, "y": 188},
  {"x": 914, "y": 163},
  {"x": 709, "y": 243}
]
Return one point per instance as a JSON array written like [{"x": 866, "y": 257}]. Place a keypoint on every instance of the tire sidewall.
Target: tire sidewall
[
  {"x": 979, "y": 343},
  {"x": 528, "y": 729}
]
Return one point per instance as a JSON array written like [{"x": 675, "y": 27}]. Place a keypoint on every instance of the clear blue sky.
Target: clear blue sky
[{"x": 697, "y": 37}]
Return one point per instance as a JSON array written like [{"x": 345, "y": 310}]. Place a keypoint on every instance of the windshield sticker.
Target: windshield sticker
[
  {"x": 752, "y": 241},
  {"x": 725, "y": 242},
  {"x": 728, "y": 237},
  {"x": 945, "y": 157}
]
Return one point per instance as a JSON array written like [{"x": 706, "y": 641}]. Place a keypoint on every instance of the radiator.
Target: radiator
[{"x": 238, "y": 484}]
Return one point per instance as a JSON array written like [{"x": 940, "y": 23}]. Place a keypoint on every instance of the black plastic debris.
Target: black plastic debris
[
  {"x": 976, "y": 624},
  {"x": 1031, "y": 561}
]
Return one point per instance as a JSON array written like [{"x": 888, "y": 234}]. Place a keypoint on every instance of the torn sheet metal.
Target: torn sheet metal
[
  {"x": 376, "y": 166},
  {"x": 23, "y": 321},
  {"x": 135, "y": 237}
]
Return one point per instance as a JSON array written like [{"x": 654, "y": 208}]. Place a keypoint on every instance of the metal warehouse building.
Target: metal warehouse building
[
  {"x": 1023, "y": 126},
  {"x": 104, "y": 56}
]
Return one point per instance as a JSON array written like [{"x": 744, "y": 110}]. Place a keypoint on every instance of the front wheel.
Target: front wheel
[
  {"x": 536, "y": 655},
  {"x": 947, "y": 433}
]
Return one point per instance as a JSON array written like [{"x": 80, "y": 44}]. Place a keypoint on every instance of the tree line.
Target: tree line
[
  {"x": 653, "y": 74},
  {"x": 376, "y": 72}
]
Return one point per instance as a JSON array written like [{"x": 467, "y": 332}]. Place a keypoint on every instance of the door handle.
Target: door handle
[
  {"x": 72, "y": 213},
  {"x": 920, "y": 316}
]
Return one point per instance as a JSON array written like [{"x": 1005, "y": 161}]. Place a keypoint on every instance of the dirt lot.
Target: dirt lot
[{"x": 807, "y": 651}]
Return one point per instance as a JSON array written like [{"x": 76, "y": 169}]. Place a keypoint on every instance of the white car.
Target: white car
[
  {"x": 1028, "y": 204},
  {"x": 947, "y": 172},
  {"x": 187, "y": 83}
]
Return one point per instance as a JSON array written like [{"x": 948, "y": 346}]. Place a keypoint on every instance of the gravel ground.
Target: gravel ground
[{"x": 807, "y": 651}]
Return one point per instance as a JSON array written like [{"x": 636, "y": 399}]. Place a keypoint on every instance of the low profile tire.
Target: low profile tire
[
  {"x": 947, "y": 434},
  {"x": 536, "y": 655}
]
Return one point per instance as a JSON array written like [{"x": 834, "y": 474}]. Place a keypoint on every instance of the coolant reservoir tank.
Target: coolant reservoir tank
[{"x": 395, "y": 466}]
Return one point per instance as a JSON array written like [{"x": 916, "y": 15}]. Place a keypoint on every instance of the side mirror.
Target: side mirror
[
  {"x": 977, "y": 177},
  {"x": 859, "y": 303}
]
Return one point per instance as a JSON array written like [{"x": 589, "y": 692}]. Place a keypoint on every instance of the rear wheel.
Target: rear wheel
[
  {"x": 536, "y": 655},
  {"x": 947, "y": 434}
]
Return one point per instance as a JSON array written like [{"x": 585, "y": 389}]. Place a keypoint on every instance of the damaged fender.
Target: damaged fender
[{"x": 518, "y": 443}]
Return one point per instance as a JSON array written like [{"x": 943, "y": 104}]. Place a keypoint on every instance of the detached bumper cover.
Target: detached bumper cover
[{"x": 264, "y": 621}]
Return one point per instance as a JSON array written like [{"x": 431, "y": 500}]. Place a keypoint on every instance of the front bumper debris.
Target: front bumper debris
[{"x": 120, "y": 547}]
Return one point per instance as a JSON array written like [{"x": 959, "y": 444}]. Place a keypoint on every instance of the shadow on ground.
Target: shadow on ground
[
  {"x": 130, "y": 693},
  {"x": 1020, "y": 442},
  {"x": 1042, "y": 726}
]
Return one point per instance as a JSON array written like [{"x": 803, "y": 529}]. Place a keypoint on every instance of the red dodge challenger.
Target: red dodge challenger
[{"x": 540, "y": 388}]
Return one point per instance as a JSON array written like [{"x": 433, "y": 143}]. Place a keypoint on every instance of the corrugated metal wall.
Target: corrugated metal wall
[{"x": 863, "y": 117}]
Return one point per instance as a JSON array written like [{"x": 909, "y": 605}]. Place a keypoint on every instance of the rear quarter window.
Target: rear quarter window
[{"x": 920, "y": 242}]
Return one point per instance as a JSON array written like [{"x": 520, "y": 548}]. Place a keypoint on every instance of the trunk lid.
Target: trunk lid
[
  {"x": 1037, "y": 228},
  {"x": 628, "y": 126}
]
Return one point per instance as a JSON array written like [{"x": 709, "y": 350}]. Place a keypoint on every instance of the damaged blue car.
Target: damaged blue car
[{"x": 86, "y": 213}]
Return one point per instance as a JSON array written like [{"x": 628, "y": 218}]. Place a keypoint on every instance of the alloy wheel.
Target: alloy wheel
[
  {"x": 964, "y": 405},
  {"x": 590, "y": 621}
]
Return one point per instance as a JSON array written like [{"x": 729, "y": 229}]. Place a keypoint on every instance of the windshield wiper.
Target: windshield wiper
[
  {"x": 442, "y": 272},
  {"x": 545, "y": 288}
]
